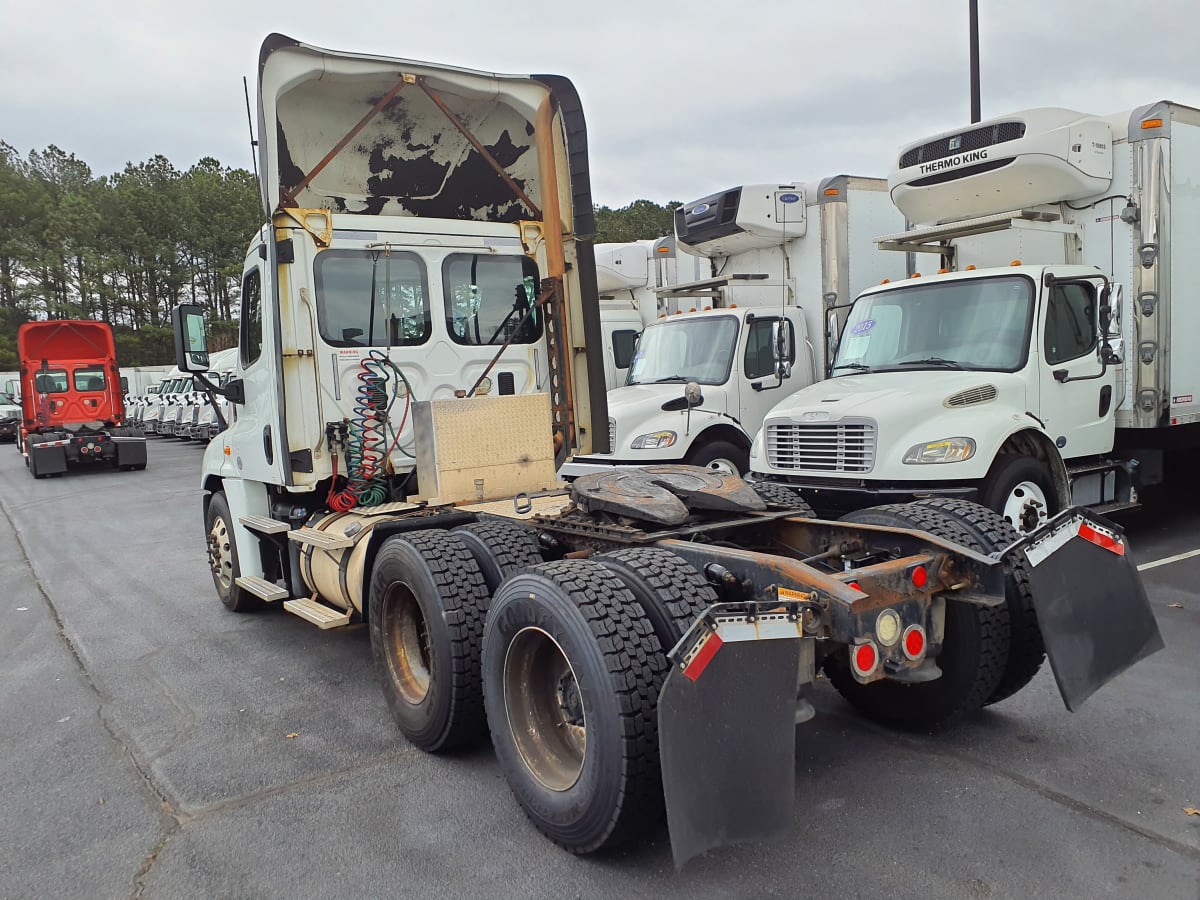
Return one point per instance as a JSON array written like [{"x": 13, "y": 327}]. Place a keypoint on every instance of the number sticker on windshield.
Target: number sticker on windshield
[{"x": 863, "y": 327}]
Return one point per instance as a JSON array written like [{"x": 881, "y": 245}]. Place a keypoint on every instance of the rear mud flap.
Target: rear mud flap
[
  {"x": 1091, "y": 604},
  {"x": 728, "y": 745}
]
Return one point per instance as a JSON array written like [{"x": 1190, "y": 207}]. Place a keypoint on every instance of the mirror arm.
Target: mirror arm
[{"x": 213, "y": 390}]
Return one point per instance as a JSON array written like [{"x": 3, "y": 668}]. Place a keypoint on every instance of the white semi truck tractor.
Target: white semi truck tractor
[
  {"x": 784, "y": 261},
  {"x": 1044, "y": 357},
  {"x": 637, "y": 646}
]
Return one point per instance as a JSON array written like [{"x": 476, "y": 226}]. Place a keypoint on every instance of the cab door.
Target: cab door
[
  {"x": 1077, "y": 390},
  {"x": 757, "y": 365},
  {"x": 257, "y": 440}
]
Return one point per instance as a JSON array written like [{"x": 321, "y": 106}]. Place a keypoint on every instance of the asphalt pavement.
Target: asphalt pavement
[{"x": 156, "y": 745}]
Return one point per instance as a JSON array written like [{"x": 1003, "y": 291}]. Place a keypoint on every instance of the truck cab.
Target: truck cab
[
  {"x": 10, "y": 412},
  {"x": 72, "y": 409},
  {"x": 1039, "y": 367},
  {"x": 938, "y": 375},
  {"x": 728, "y": 354}
]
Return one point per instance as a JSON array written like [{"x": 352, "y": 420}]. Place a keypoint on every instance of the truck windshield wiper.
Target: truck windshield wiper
[
  {"x": 683, "y": 378},
  {"x": 933, "y": 361},
  {"x": 859, "y": 366}
]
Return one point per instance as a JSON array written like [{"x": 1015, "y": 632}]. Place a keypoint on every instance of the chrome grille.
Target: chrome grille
[{"x": 822, "y": 447}]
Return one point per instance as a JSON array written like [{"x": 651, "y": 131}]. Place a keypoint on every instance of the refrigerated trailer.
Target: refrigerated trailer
[
  {"x": 632, "y": 643},
  {"x": 1044, "y": 357}
]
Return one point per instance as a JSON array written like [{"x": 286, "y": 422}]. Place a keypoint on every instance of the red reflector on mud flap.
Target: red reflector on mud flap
[
  {"x": 1100, "y": 539},
  {"x": 707, "y": 650}
]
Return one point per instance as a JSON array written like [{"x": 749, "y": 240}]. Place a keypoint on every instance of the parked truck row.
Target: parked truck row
[{"x": 644, "y": 641}]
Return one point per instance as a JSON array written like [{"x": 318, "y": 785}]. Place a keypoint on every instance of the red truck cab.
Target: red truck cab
[{"x": 72, "y": 410}]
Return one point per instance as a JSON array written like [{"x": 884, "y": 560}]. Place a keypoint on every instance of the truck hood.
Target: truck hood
[
  {"x": 637, "y": 409},
  {"x": 407, "y": 156},
  {"x": 908, "y": 409},
  {"x": 8, "y": 411},
  {"x": 899, "y": 394}
]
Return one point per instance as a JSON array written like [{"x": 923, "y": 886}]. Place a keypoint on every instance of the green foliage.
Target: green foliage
[
  {"x": 640, "y": 220},
  {"x": 124, "y": 248},
  {"x": 128, "y": 247}
]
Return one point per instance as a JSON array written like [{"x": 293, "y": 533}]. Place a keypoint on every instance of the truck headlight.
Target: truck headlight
[
  {"x": 658, "y": 440},
  {"x": 947, "y": 450}
]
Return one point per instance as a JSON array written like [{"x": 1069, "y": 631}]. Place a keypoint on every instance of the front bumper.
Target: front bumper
[{"x": 832, "y": 498}]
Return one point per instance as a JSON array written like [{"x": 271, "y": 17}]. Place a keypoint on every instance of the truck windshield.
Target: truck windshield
[
  {"x": 682, "y": 350},
  {"x": 978, "y": 323}
]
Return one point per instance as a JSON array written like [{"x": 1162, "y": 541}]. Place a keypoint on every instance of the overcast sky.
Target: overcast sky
[{"x": 681, "y": 100}]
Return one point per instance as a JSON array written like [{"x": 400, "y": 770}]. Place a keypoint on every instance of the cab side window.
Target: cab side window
[
  {"x": 251, "y": 328},
  {"x": 1070, "y": 322},
  {"x": 624, "y": 342},
  {"x": 759, "y": 362}
]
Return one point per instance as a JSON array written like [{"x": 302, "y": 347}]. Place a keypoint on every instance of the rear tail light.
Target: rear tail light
[
  {"x": 914, "y": 642},
  {"x": 919, "y": 576},
  {"x": 864, "y": 658},
  {"x": 887, "y": 627}
]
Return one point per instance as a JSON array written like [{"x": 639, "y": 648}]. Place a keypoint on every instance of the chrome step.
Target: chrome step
[
  {"x": 260, "y": 587},
  {"x": 318, "y": 613},
  {"x": 264, "y": 524},
  {"x": 1089, "y": 468},
  {"x": 322, "y": 540}
]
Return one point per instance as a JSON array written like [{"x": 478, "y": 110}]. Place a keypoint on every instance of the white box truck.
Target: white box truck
[
  {"x": 628, "y": 278},
  {"x": 778, "y": 253},
  {"x": 1050, "y": 361}
]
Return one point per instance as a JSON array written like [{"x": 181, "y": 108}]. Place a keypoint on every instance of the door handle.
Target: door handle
[{"x": 268, "y": 450}]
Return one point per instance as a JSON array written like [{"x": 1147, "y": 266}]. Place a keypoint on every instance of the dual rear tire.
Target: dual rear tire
[
  {"x": 987, "y": 654},
  {"x": 561, "y": 661}
]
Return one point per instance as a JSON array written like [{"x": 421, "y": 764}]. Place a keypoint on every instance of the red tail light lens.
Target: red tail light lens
[
  {"x": 864, "y": 658},
  {"x": 914, "y": 642},
  {"x": 919, "y": 576}
]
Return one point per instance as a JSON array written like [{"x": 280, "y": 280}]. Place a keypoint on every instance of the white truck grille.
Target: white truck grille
[
  {"x": 822, "y": 447},
  {"x": 612, "y": 435}
]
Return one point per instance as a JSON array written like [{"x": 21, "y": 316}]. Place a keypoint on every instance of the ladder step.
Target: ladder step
[
  {"x": 322, "y": 540},
  {"x": 1120, "y": 506},
  {"x": 1089, "y": 468},
  {"x": 264, "y": 524},
  {"x": 318, "y": 613},
  {"x": 260, "y": 587}
]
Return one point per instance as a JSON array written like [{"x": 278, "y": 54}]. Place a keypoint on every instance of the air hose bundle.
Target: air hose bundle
[{"x": 367, "y": 449}]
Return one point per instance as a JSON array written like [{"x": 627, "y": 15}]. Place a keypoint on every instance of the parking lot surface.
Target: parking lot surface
[{"x": 157, "y": 745}]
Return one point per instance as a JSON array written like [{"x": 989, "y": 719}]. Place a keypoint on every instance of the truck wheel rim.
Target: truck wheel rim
[
  {"x": 406, "y": 644},
  {"x": 545, "y": 709},
  {"x": 723, "y": 466},
  {"x": 1026, "y": 507},
  {"x": 220, "y": 556}
]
